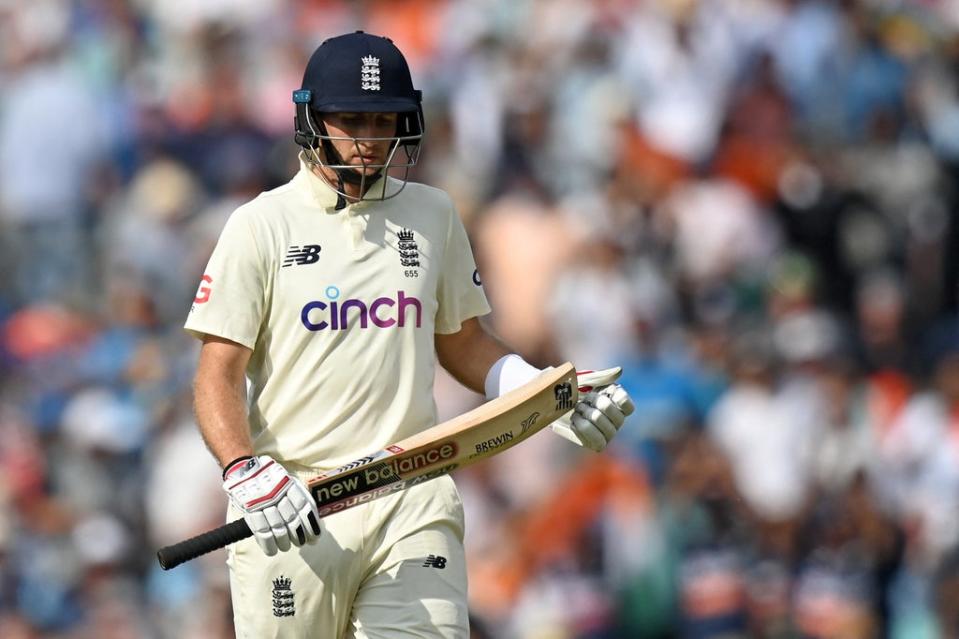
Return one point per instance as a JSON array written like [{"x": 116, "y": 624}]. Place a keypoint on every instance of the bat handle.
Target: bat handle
[{"x": 172, "y": 556}]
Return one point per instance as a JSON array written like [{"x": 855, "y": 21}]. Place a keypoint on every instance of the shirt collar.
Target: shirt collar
[{"x": 322, "y": 193}]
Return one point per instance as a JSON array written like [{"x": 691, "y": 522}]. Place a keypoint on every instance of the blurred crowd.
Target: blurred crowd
[{"x": 750, "y": 205}]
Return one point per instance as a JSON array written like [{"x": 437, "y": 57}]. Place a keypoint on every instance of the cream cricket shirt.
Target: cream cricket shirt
[{"x": 340, "y": 308}]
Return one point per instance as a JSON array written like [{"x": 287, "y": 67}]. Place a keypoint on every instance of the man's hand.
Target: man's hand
[
  {"x": 600, "y": 412},
  {"x": 277, "y": 506}
]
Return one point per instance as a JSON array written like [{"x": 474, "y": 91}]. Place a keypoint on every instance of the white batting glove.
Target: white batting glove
[
  {"x": 277, "y": 506},
  {"x": 600, "y": 412}
]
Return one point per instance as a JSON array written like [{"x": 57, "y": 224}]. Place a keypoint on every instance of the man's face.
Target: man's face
[{"x": 366, "y": 156}]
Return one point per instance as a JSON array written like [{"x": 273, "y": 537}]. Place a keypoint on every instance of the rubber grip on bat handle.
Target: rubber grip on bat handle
[{"x": 172, "y": 556}]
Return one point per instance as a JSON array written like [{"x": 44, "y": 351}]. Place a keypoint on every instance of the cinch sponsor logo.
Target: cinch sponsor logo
[{"x": 383, "y": 312}]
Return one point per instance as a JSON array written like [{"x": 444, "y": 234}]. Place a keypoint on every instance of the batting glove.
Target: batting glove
[
  {"x": 600, "y": 412},
  {"x": 277, "y": 506}
]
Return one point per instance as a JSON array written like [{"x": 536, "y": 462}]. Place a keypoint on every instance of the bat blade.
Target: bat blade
[{"x": 480, "y": 433}]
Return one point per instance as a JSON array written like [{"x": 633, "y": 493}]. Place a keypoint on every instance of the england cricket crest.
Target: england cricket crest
[
  {"x": 409, "y": 253},
  {"x": 370, "y": 73},
  {"x": 283, "y": 601}
]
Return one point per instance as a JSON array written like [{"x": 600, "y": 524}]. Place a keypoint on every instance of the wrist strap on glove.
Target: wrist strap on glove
[{"x": 235, "y": 464}]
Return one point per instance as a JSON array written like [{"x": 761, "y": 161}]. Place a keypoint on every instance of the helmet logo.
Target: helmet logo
[{"x": 371, "y": 73}]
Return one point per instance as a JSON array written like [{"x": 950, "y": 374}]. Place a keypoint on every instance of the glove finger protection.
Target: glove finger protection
[
  {"x": 591, "y": 426},
  {"x": 306, "y": 511},
  {"x": 586, "y": 434},
  {"x": 604, "y": 403},
  {"x": 291, "y": 519},
  {"x": 262, "y": 532},
  {"x": 278, "y": 527},
  {"x": 606, "y": 423},
  {"x": 620, "y": 398}
]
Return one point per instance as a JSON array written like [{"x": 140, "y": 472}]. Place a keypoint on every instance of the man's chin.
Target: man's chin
[{"x": 356, "y": 175}]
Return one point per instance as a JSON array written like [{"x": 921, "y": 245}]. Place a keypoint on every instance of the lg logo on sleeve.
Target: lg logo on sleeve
[{"x": 204, "y": 291}]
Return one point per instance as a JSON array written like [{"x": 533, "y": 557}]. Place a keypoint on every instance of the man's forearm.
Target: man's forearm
[
  {"x": 472, "y": 368},
  {"x": 469, "y": 354},
  {"x": 220, "y": 408}
]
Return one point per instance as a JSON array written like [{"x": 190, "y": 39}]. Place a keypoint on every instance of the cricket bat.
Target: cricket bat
[{"x": 480, "y": 433}]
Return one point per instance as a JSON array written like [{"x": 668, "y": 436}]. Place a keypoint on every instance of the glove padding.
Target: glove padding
[
  {"x": 277, "y": 506},
  {"x": 600, "y": 412}
]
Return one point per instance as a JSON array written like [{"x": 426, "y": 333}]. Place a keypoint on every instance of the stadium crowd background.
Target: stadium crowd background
[{"x": 750, "y": 205}]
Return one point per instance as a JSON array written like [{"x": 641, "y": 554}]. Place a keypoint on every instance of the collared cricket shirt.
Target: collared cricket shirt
[{"x": 339, "y": 308}]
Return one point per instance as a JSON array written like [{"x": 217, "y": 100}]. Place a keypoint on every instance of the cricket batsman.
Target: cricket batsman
[{"x": 321, "y": 311}]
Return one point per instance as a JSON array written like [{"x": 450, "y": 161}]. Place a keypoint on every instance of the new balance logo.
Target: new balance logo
[
  {"x": 306, "y": 254},
  {"x": 283, "y": 600},
  {"x": 435, "y": 561}
]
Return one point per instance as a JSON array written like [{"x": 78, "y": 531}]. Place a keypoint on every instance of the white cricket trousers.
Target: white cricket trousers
[{"x": 390, "y": 569}]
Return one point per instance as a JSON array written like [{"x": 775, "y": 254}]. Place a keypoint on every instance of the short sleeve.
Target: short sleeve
[
  {"x": 230, "y": 299},
  {"x": 460, "y": 295}
]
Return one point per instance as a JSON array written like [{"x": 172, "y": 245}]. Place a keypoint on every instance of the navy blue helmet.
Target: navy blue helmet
[{"x": 359, "y": 73}]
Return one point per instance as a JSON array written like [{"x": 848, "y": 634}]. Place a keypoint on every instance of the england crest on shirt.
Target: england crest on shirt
[{"x": 409, "y": 253}]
